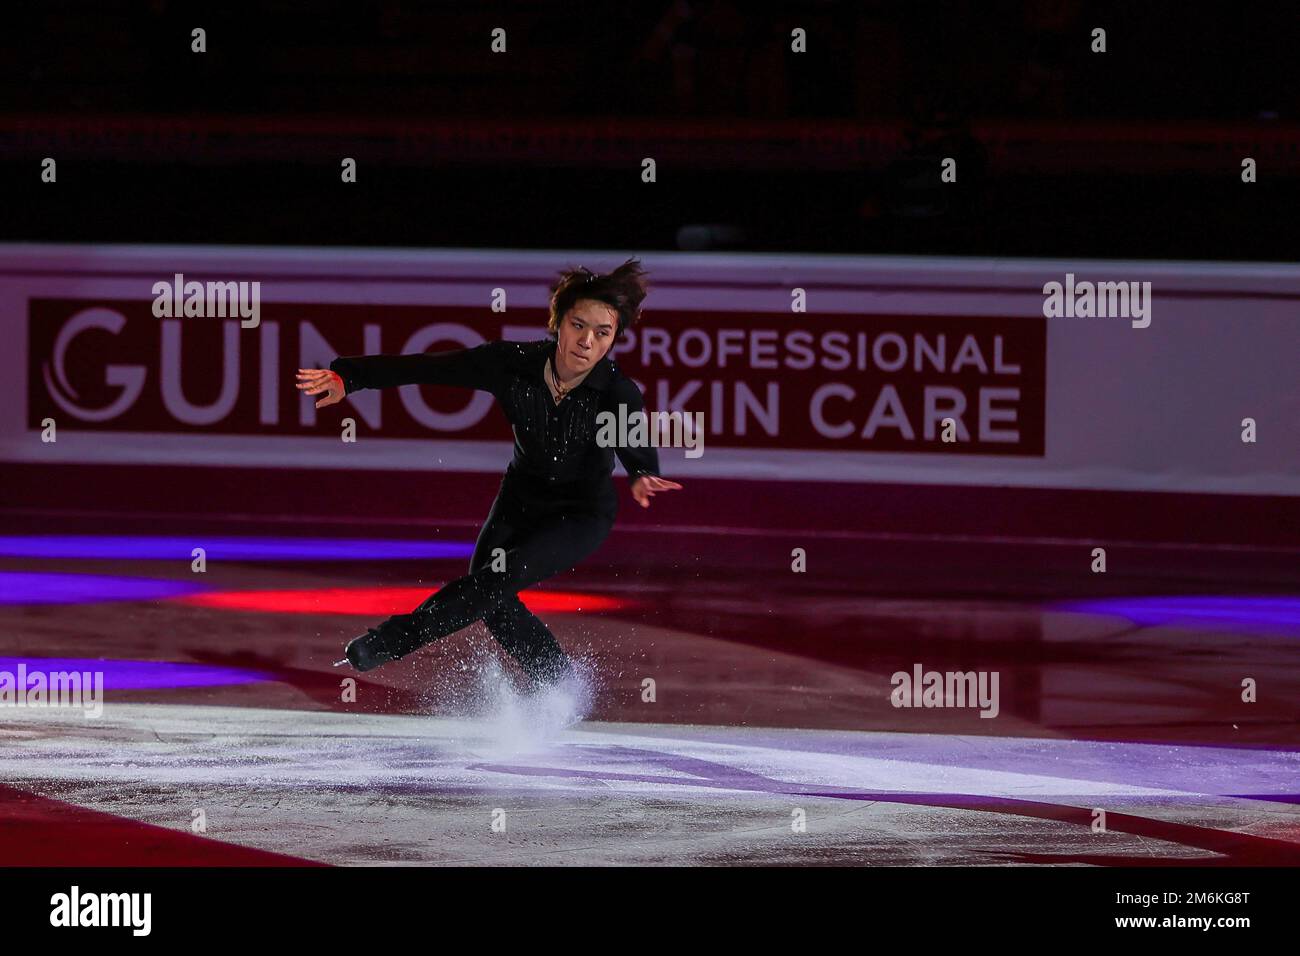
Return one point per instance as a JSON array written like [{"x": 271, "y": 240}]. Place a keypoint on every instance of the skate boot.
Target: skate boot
[{"x": 391, "y": 640}]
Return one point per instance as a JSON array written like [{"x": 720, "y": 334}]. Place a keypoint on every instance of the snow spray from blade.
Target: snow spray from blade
[{"x": 513, "y": 721}]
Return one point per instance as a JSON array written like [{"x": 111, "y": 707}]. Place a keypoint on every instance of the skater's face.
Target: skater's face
[{"x": 585, "y": 335}]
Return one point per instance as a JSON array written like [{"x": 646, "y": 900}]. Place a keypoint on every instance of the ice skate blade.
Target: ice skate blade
[{"x": 341, "y": 663}]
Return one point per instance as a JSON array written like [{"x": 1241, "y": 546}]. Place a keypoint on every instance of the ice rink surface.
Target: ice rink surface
[
  {"x": 1121, "y": 735},
  {"x": 383, "y": 789}
]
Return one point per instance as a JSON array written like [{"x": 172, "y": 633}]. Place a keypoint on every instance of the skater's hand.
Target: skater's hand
[
  {"x": 313, "y": 381},
  {"x": 644, "y": 488}
]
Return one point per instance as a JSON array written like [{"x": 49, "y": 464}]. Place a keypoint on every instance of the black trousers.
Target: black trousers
[{"x": 540, "y": 531}]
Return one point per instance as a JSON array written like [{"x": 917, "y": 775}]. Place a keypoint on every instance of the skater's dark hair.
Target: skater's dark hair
[{"x": 622, "y": 290}]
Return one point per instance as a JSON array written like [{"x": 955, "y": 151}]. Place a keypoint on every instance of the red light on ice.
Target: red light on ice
[{"x": 381, "y": 602}]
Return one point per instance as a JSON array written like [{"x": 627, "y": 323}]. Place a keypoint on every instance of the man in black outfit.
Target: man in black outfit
[{"x": 556, "y": 502}]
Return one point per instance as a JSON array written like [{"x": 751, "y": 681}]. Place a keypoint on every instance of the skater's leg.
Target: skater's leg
[
  {"x": 527, "y": 556},
  {"x": 557, "y": 547},
  {"x": 397, "y": 636},
  {"x": 517, "y": 629},
  {"x": 546, "y": 548},
  {"x": 528, "y": 640}
]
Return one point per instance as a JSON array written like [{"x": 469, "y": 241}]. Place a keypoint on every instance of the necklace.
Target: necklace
[{"x": 560, "y": 389}]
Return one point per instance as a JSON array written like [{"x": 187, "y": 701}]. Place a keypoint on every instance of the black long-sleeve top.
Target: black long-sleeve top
[{"x": 555, "y": 445}]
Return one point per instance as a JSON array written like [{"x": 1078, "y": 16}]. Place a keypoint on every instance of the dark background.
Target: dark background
[{"x": 1133, "y": 153}]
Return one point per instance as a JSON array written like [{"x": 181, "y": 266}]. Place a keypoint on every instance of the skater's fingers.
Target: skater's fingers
[{"x": 320, "y": 377}]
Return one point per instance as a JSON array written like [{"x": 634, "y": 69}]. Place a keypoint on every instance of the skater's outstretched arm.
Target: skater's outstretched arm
[
  {"x": 480, "y": 367},
  {"x": 640, "y": 461}
]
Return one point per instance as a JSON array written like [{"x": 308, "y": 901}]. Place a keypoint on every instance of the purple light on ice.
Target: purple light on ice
[
  {"x": 33, "y": 587},
  {"x": 136, "y": 675},
  {"x": 1244, "y": 612},
  {"x": 226, "y": 548}
]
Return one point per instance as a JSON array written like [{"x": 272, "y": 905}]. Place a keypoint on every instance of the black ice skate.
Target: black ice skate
[{"x": 391, "y": 640}]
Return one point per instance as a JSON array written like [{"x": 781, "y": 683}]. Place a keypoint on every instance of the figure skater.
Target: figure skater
[{"x": 556, "y": 503}]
